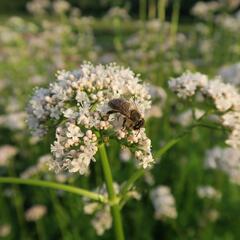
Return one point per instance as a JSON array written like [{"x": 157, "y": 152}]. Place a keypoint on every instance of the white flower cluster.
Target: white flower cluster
[
  {"x": 187, "y": 84},
  {"x": 225, "y": 97},
  {"x": 226, "y": 160},
  {"x": 208, "y": 192},
  {"x": 163, "y": 202},
  {"x": 77, "y": 105}
]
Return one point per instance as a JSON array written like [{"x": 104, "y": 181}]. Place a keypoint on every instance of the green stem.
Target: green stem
[
  {"x": 115, "y": 208},
  {"x": 175, "y": 18},
  {"x": 18, "y": 201},
  {"x": 142, "y": 9},
  {"x": 58, "y": 211},
  {"x": 166, "y": 147},
  {"x": 40, "y": 230},
  {"x": 161, "y": 10},
  {"x": 129, "y": 184},
  {"x": 151, "y": 9},
  {"x": 40, "y": 183}
]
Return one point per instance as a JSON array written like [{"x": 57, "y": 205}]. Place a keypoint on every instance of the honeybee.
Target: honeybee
[{"x": 132, "y": 117}]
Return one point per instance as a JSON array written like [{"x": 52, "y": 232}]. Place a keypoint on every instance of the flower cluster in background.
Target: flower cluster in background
[{"x": 225, "y": 97}]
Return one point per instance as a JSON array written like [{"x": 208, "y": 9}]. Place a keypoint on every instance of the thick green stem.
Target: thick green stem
[
  {"x": 115, "y": 208},
  {"x": 39, "y": 183}
]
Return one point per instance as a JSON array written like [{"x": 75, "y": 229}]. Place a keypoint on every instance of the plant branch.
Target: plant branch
[
  {"x": 53, "y": 185},
  {"x": 113, "y": 199}
]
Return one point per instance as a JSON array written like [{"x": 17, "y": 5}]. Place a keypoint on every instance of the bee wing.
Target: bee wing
[{"x": 120, "y": 105}]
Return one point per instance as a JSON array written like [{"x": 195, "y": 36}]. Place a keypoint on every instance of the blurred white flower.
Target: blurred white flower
[
  {"x": 208, "y": 192},
  {"x": 226, "y": 160},
  {"x": 38, "y": 6},
  {"x": 14, "y": 121},
  {"x": 6, "y": 153},
  {"x": 61, "y": 6},
  {"x": 205, "y": 9},
  {"x": 5, "y": 230},
  {"x": 231, "y": 74},
  {"x": 125, "y": 154},
  {"x": 102, "y": 220},
  {"x": 164, "y": 203},
  {"x": 117, "y": 12},
  {"x": 35, "y": 213},
  {"x": 186, "y": 118},
  {"x": 228, "y": 23}
]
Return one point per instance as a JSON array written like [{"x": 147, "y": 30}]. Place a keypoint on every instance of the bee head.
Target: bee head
[{"x": 138, "y": 124}]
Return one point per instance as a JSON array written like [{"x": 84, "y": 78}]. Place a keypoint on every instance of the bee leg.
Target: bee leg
[
  {"x": 106, "y": 117},
  {"x": 124, "y": 124},
  {"x": 111, "y": 112},
  {"x": 138, "y": 132}
]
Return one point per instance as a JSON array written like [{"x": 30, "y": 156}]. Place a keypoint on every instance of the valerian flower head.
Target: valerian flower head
[
  {"x": 225, "y": 98},
  {"x": 76, "y": 106}
]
